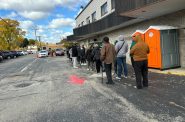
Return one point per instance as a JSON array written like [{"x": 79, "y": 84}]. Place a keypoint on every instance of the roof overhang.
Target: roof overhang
[{"x": 155, "y": 9}]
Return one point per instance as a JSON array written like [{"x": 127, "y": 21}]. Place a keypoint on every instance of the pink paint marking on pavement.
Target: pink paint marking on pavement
[{"x": 76, "y": 80}]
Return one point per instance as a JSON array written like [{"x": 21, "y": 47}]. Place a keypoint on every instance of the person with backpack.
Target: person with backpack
[
  {"x": 89, "y": 57},
  {"x": 96, "y": 57},
  {"x": 121, "y": 50}
]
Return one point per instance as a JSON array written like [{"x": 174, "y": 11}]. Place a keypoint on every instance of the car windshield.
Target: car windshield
[
  {"x": 42, "y": 51},
  {"x": 58, "y": 49}
]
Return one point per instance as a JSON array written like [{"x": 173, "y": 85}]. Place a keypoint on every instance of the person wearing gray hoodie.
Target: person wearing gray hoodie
[{"x": 121, "y": 50}]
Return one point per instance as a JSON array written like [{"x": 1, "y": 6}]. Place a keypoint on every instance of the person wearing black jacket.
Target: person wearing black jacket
[
  {"x": 88, "y": 56},
  {"x": 83, "y": 60},
  {"x": 74, "y": 55},
  {"x": 79, "y": 54},
  {"x": 96, "y": 57}
]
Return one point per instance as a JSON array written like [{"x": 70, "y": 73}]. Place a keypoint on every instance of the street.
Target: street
[{"x": 50, "y": 90}]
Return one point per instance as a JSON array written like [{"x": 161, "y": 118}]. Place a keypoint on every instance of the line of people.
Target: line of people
[
  {"x": 114, "y": 56},
  {"x": 79, "y": 56}
]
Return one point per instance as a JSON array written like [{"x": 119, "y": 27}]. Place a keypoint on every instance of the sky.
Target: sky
[{"x": 54, "y": 19}]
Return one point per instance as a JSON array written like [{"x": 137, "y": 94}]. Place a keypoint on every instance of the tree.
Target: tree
[
  {"x": 32, "y": 42},
  {"x": 25, "y": 43},
  {"x": 66, "y": 44},
  {"x": 9, "y": 34}
]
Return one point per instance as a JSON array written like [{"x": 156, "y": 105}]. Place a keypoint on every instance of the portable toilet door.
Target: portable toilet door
[
  {"x": 152, "y": 38},
  {"x": 170, "y": 49}
]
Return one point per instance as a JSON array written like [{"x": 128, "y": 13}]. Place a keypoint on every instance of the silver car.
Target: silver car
[{"x": 43, "y": 53}]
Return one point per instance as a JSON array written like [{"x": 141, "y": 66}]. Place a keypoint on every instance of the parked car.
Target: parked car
[
  {"x": 15, "y": 54},
  {"x": 29, "y": 52},
  {"x": 1, "y": 57},
  {"x": 43, "y": 53},
  {"x": 59, "y": 52},
  {"x": 22, "y": 53},
  {"x": 7, "y": 54}
]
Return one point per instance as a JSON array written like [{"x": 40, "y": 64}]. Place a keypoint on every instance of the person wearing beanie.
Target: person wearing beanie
[
  {"x": 108, "y": 56},
  {"x": 121, "y": 50}
]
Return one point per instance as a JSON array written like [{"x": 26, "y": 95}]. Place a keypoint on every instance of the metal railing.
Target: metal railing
[
  {"x": 107, "y": 22},
  {"x": 128, "y": 5}
]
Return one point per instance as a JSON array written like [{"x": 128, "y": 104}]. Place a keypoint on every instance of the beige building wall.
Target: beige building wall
[
  {"x": 176, "y": 19},
  {"x": 95, "y": 5}
]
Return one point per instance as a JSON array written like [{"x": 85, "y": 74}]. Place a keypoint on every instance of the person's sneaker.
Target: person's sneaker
[
  {"x": 88, "y": 69},
  {"x": 118, "y": 78},
  {"x": 75, "y": 67},
  {"x": 125, "y": 77},
  {"x": 115, "y": 75}
]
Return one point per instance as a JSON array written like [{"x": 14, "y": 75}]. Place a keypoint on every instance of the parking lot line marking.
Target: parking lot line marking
[
  {"x": 25, "y": 68},
  {"x": 173, "y": 103}
]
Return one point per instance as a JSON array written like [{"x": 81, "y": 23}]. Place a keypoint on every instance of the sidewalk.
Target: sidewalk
[{"x": 177, "y": 71}]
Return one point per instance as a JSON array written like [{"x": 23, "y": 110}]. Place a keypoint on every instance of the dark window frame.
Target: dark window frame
[
  {"x": 113, "y": 4},
  {"x": 88, "y": 21},
  {"x": 93, "y": 16},
  {"x": 82, "y": 23},
  {"x": 104, "y": 9}
]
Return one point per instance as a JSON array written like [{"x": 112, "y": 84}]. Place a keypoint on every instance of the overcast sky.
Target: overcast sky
[{"x": 55, "y": 19}]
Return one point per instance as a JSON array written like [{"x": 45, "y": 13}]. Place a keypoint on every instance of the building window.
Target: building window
[
  {"x": 94, "y": 16},
  {"x": 104, "y": 9},
  {"x": 88, "y": 20},
  {"x": 82, "y": 23},
  {"x": 113, "y": 4}
]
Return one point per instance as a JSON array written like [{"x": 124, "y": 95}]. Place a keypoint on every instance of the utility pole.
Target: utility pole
[
  {"x": 35, "y": 30},
  {"x": 39, "y": 37}
]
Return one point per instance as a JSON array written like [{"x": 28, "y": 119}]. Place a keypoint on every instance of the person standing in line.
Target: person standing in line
[
  {"x": 70, "y": 53},
  {"x": 121, "y": 50},
  {"x": 115, "y": 63},
  {"x": 96, "y": 57},
  {"x": 83, "y": 61},
  {"x": 74, "y": 55},
  {"x": 79, "y": 54},
  {"x": 89, "y": 56},
  {"x": 108, "y": 56},
  {"x": 140, "y": 55},
  {"x": 131, "y": 57}
]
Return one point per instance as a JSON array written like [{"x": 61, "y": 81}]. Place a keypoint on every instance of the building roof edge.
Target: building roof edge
[{"x": 83, "y": 9}]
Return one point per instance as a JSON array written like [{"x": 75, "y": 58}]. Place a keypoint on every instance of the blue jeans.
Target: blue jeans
[{"x": 121, "y": 62}]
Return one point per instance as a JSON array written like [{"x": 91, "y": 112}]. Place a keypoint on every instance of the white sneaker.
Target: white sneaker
[
  {"x": 88, "y": 69},
  {"x": 114, "y": 75},
  {"x": 125, "y": 77},
  {"x": 85, "y": 64},
  {"x": 118, "y": 78},
  {"x": 75, "y": 67}
]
